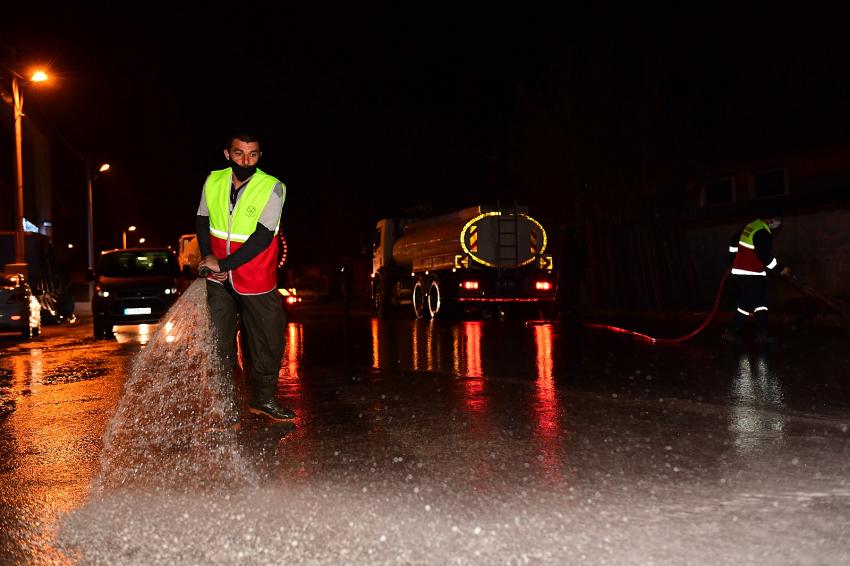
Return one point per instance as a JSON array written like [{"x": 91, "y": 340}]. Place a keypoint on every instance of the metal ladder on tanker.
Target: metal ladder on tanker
[{"x": 507, "y": 237}]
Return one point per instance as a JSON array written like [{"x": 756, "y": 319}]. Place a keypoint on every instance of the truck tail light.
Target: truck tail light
[
  {"x": 290, "y": 295},
  {"x": 543, "y": 285},
  {"x": 469, "y": 285}
]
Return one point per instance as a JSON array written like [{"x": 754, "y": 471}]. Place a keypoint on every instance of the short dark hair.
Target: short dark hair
[
  {"x": 771, "y": 210},
  {"x": 243, "y": 136}
]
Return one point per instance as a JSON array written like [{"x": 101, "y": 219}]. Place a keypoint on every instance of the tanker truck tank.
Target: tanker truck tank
[{"x": 480, "y": 254}]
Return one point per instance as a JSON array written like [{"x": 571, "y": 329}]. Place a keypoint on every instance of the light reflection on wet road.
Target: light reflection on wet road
[{"x": 698, "y": 453}]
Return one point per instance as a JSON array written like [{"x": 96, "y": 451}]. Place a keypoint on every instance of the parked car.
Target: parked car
[
  {"x": 48, "y": 275},
  {"x": 133, "y": 286},
  {"x": 19, "y": 308}
]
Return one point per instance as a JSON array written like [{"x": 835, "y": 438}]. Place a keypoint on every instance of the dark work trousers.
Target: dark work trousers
[
  {"x": 751, "y": 293},
  {"x": 263, "y": 321}
]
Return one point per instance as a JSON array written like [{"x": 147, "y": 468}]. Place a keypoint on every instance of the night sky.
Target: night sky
[{"x": 368, "y": 111}]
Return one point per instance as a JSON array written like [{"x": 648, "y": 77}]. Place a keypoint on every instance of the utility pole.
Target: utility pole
[
  {"x": 90, "y": 178},
  {"x": 20, "y": 265}
]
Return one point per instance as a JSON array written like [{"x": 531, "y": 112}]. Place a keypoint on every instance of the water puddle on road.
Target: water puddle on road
[
  {"x": 72, "y": 373},
  {"x": 7, "y": 401}
]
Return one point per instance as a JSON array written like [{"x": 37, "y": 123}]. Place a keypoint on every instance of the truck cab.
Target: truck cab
[
  {"x": 387, "y": 232},
  {"x": 385, "y": 271}
]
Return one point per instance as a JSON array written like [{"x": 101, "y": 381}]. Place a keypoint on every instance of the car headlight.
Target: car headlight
[
  {"x": 171, "y": 291},
  {"x": 102, "y": 293}
]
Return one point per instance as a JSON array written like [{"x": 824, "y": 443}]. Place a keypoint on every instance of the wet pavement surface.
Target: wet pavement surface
[{"x": 432, "y": 442}]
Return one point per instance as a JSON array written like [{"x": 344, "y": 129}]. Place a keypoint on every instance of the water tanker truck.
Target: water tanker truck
[{"x": 481, "y": 258}]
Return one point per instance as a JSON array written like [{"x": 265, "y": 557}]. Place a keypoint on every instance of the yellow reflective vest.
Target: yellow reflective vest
[{"x": 229, "y": 230}]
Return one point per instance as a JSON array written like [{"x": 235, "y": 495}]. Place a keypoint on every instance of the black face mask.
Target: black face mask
[{"x": 242, "y": 172}]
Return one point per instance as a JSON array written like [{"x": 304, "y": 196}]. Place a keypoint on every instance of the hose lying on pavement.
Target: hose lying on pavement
[{"x": 656, "y": 340}]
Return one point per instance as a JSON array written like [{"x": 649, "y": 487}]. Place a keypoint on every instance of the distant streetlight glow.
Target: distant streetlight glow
[{"x": 142, "y": 240}]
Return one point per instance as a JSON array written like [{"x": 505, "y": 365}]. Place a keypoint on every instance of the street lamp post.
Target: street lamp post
[
  {"x": 90, "y": 177},
  {"x": 124, "y": 236},
  {"x": 20, "y": 265}
]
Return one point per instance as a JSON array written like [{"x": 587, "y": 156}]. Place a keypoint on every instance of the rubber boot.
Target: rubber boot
[
  {"x": 762, "y": 335},
  {"x": 733, "y": 334},
  {"x": 733, "y": 331}
]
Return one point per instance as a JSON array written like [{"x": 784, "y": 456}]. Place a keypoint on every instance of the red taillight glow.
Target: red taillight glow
[
  {"x": 543, "y": 285},
  {"x": 469, "y": 284},
  {"x": 290, "y": 296}
]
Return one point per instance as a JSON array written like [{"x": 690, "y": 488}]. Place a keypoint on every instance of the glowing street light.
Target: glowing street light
[
  {"x": 90, "y": 178},
  {"x": 142, "y": 240},
  {"x": 17, "y": 101},
  {"x": 124, "y": 236}
]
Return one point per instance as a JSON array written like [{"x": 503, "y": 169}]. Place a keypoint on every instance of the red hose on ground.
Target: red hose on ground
[{"x": 653, "y": 339}]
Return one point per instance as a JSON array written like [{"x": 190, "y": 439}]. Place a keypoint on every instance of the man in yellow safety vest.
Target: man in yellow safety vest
[{"x": 236, "y": 223}]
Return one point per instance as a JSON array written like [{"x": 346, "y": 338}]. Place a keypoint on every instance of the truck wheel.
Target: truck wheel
[
  {"x": 380, "y": 296},
  {"x": 434, "y": 297},
  {"x": 419, "y": 299}
]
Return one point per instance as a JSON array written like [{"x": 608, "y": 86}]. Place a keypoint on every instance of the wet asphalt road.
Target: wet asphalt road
[{"x": 465, "y": 442}]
